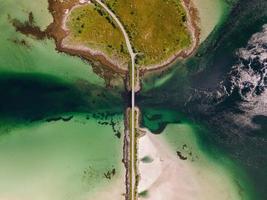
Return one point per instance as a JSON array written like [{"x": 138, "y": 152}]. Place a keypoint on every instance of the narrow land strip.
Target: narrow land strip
[{"x": 132, "y": 134}]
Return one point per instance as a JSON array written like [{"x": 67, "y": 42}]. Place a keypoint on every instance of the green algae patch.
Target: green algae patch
[
  {"x": 63, "y": 159},
  {"x": 90, "y": 26},
  {"x": 157, "y": 29}
]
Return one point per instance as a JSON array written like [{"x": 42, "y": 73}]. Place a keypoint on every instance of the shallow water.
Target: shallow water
[
  {"x": 44, "y": 152},
  {"x": 196, "y": 142},
  {"x": 37, "y": 56},
  {"x": 193, "y": 89},
  {"x": 211, "y": 167},
  {"x": 60, "y": 160},
  {"x": 20, "y": 10},
  {"x": 211, "y": 13},
  {"x": 45, "y": 84}
]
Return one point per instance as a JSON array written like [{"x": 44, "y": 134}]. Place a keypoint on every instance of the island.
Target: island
[
  {"x": 125, "y": 37},
  {"x": 123, "y": 100},
  {"x": 159, "y": 31}
]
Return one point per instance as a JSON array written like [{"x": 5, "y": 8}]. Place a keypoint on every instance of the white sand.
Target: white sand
[{"x": 170, "y": 178}]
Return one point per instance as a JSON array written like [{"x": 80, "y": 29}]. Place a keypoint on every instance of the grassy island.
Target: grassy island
[
  {"x": 158, "y": 31},
  {"x": 157, "y": 28},
  {"x": 90, "y": 26}
]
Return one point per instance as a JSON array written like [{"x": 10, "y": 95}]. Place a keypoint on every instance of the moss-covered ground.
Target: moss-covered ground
[
  {"x": 157, "y": 29},
  {"x": 90, "y": 26}
]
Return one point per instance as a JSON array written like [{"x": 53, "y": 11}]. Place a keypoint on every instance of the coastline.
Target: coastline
[
  {"x": 211, "y": 13},
  {"x": 71, "y": 71},
  {"x": 58, "y": 32},
  {"x": 62, "y": 160},
  {"x": 194, "y": 29},
  {"x": 184, "y": 174},
  {"x": 126, "y": 153},
  {"x": 104, "y": 59}
]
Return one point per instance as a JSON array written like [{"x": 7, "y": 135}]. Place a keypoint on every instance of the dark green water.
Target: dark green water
[
  {"x": 57, "y": 118},
  {"x": 61, "y": 129},
  {"x": 191, "y": 89},
  {"x": 43, "y": 96},
  {"x": 200, "y": 138}
]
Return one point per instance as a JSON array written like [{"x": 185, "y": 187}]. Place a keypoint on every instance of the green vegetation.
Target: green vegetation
[
  {"x": 147, "y": 159},
  {"x": 143, "y": 194},
  {"x": 145, "y": 22},
  {"x": 92, "y": 27},
  {"x": 157, "y": 29},
  {"x": 133, "y": 152}
]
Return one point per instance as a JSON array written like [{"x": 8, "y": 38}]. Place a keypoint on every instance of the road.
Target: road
[{"x": 132, "y": 55}]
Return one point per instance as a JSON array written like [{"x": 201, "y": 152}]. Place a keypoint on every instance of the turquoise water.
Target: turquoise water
[
  {"x": 41, "y": 56},
  {"x": 56, "y": 141},
  {"x": 64, "y": 159},
  {"x": 214, "y": 14},
  {"x": 188, "y": 89},
  {"x": 60, "y": 160},
  {"x": 211, "y": 166},
  {"x": 196, "y": 142},
  {"x": 20, "y": 10}
]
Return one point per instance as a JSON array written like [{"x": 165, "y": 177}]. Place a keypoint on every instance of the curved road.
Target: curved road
[{"x": 133, "y": 55}]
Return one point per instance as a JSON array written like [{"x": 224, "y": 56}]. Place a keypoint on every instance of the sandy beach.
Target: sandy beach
[{"x": 169, "y": 177}]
